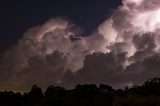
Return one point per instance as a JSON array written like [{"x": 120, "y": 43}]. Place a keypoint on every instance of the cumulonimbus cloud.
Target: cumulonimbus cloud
[{"x": 124, "y": 45}]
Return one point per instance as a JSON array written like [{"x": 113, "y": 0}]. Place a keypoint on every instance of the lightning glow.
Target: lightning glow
[{"x": 130, "y": 35}]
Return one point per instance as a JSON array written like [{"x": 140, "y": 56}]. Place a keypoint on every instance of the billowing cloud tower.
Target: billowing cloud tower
[{"x": 124, "y": 50}]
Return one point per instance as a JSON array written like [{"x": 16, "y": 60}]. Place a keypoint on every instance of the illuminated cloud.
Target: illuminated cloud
[{"x": 122, "y": 51}]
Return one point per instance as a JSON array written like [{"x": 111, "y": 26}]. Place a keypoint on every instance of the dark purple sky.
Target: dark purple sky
[
  {"x": 119, "y": 48},
  {"x": 16, "y": 16}
]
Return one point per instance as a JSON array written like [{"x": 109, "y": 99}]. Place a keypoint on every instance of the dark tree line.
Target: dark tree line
[{"x": 147, "y": 94}]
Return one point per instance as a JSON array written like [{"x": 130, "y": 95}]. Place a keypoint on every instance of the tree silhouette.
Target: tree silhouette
[{"x": 147, "y": 94}]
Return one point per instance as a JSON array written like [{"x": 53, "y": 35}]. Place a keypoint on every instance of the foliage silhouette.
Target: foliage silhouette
[{"x": 147, "y": 94}]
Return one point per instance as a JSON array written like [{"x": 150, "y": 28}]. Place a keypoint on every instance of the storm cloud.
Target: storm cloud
[{"x": 122, "y": 51}]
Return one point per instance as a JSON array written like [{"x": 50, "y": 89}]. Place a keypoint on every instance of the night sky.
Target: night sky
[
  {"x": 18, "y": 16},
  {"x": 70, "y": 42}
]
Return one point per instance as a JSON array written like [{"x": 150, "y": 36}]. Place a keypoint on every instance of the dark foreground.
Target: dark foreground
[{"x": 147, "y": 94}]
